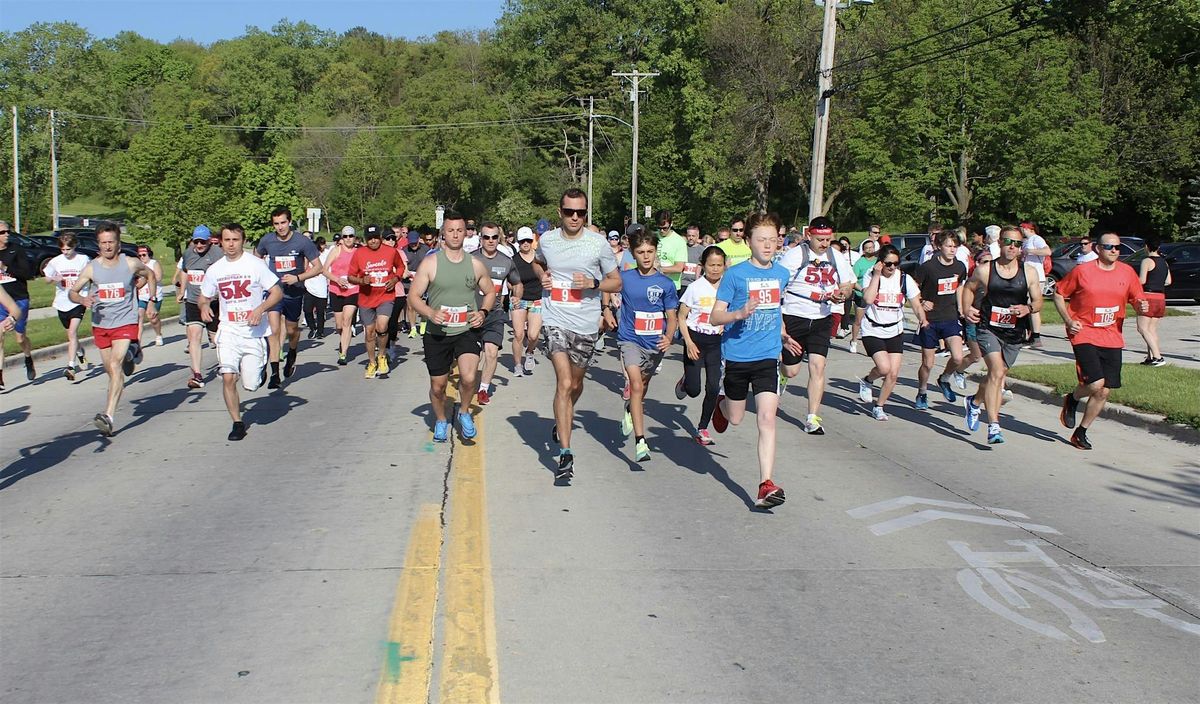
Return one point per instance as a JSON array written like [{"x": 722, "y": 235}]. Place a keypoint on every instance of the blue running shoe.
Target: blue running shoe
[
  {"x": 973, "y": 412},
  {"x": 441, "y": 431},
  {"x": 947, "y": 390},
  {"x": 922, "y": 402},
  {"x": 466, "y": 425},
  {"x": 995, "y": 437}
]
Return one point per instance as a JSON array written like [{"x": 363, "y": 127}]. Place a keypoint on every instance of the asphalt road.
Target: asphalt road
[{"x": 337, "y": 555}]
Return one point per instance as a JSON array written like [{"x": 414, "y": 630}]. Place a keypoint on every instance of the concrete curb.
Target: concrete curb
[{"x": 53, "y": 351}]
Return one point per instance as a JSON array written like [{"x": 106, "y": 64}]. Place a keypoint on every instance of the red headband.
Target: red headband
[{"x": 820, "y": 230}]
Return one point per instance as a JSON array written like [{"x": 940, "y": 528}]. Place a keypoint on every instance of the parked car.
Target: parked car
[
  {"x": 903, "y": 242},
  {"x": 37, "y": 253},
  {"x": 1184, "y": 259},
  {"x": 89, "y": 244},
  {"x": 910, "y": 258},
  {"x": 1063, "y": 259}
]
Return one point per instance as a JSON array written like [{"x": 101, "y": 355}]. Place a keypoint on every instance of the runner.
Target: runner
[
  {"x": 1155, "y": 275},
  {"x": 294, "y": 260},
  {"x": 1094, "y": 318},
  {"x": 940, "y": 280},
  {"x": 672, "y": 250},
  {"x": 399, "y": 297},
  {"x": 343, "y": 295},
  {"x": 1036, "y": 250},
  {"x": 526, "y": 311},
  {"x": 693, "y": 269},
  {"x": 748, "y": 305},
  {"x": 148, "y": 298},
  {"x": 702, "y": 339},
  {"x": 735, "y": 247},
  {"x": 414, "y": 253},
  {"x": 1007, "y": 292},
  {"x": 114, "y": 313},
  {"x": 15, "y": 271},
  {"x": 819, "y": 282},
  {"x": 860, "y": 268},
  {"x": 505, "y": 278},
  {"x": 576, "y": 268},
  {"x": 645, "y": 331},
  {"x": 316, "y": 295},
  {"x": 885, "y": 288},
  {"x": 62, "y": 271},
  {"x": 451, "y": 279},
  {"x": 377, "y": 271},
  {"x": 247, "y": 290},
  {"x": 194, "y": 263}
]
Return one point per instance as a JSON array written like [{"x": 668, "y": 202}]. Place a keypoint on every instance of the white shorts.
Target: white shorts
[{"x": 245, "y": 356}]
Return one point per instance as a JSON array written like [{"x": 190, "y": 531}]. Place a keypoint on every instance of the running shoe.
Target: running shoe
[
  {"x": 136, "y": 349},
  {"x": 566, "y": 467},
  {"x": 158, "y": 341},
  {"x": 995, "y": 437},
  {"x": 372, "y": 370},
  {"x": 627, "y": 423},
  {"x": 1069, "y": 407},
  {"x": 312, "y": 334},
  {"x": 704, "y": 438},
  {"x": 483, "y": 397},
  {"x": 466, "y": 425},
  {"x": 769, "y": 495},
  {"x": 854, "y": 347},
  {"x": 517, "y": 370},
  {"x": 680, "y": 392},
  {"x": 1158, "y": 362},
  {"x": 783, "y": 380},
  {"x": 878, "y": 414},
  {"x": 922, "y": 402},
  {"x": 412, "y": 333},
  {"x": 274, "y": 383},
  {"x": 84, "y": 363},
  {"x": 282, "y": 354},
  {"x": 342, "y": 361},
  {"x": 238, "y": 432},
  {"x": 196, "y": 381},
  {"x": 1147, "y": 362},
  {"x": 941, "y": 354},
  {"x": 289, "y": 367},
  {"x": 529, "y": 363},
  {"x": 104, "y": 424},
  {"x": 1006, "y": 396},
  {"x": 641, "y": 451},
  {"x": 69, "y": 372},
  {"x": 1079, "y": 439},
  {"x": 812, "y": 425},
  {"x": 947, "y": 390},
  {"x": 30, "y": 374},
  {"x": 719, "y": 422},
  {"x": 421, "y": 330},
  {"x": 972, "y": 413},
  {"x": 960, "y": 381},
  {"x": 625, "y": 392},
  {"x": 382, "y": 363},
  {"x": 866, "y": 392},
  {"x": 127, "y": 365},
  {"x": 441, "y": 431},
  {"x": 1035, "y": 343}
]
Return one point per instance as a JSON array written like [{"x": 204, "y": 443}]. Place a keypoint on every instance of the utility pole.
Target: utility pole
[
  {"x": 53, "y": 174},
  {"x": 16, "y": 175},
  {"x": 591, "y": 149},
  {"x": 816, "y": 193},
  {"x": 635, "y": 78}
]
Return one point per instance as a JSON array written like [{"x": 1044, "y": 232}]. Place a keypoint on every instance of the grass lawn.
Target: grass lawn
[
  {"x": 93, "y": 206},
  {"x": 48, "y": 331},
  {"x": 1050, "y": 314},
  {"x": 1167, "y": 391}
]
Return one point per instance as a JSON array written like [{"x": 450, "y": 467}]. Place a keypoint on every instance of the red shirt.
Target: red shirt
[
  {"x": 1097, "y": 299},
  {"x": 379, "y": 267}
]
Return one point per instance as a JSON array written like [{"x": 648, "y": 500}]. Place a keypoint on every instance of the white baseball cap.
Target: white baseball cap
[
  {"x": 524, "y": 234},
  {"x": 347, "y": 231}
]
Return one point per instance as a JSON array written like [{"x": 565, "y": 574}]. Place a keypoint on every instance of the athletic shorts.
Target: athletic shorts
[
  {"x": 929, "y": 336},
  {"x": 531, "y": 306},
  {"x": 634, "y": 355},
  {"x": 739, "y": 378},
  {"x": 989, "y": 343},
  {"x": 241, "y": 355},
  {"x": 813, "y": 336},
  {"x": 193, "y": 315},
  {"x": 66, "y": 316},
  {"x": 971, "y": 331},
  {"x": 337, "y": 303},
  {"x": 290, "y": 307},
  {"x": 367, "y": 316},
  {"x": 891, "y": 345},
  {"x": 443, "y": 351},
  {"x": 492, "y": 330},
  {"x": 23, "y": 304},
  {"x": 103, "y": 337},
  {"x": 1158, "y": 305},
  {"x": 146, "y": 304},
  {"x": 1093, "y": 363},
  {"x": 578, "y": 347}
]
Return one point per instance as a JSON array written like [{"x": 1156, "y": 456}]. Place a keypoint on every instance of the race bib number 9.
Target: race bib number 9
[
  {"x": 110, "y": 292},
  {"x": 648, "y": 323},
  {"x": 564, "y": 294},
  {"x": 765, "y": 292},
  {"x": 456, "y": 316},
  {"x": 285, "y": 263},
  {"x": 1002, "y": 318},
  {"x": 947, "y": 286},
  {"x": 195, "y": 278},
  {"x": 1105, "y": 317}
]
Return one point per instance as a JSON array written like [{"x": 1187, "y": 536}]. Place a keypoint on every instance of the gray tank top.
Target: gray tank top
[{"x": 116, "y": 297}]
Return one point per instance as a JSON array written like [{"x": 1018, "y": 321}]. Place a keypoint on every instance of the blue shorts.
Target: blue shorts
[
  {"x": 290, "y": 307},
  {"x": 929, "y": 336},
  {"x": 23, "y": 304},
  {"x": 971, "y": 330},
  {"x": 146, "y": 304}
]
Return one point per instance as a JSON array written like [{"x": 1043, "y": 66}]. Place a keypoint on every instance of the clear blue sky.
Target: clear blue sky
[{"x": 207, "y": 21}]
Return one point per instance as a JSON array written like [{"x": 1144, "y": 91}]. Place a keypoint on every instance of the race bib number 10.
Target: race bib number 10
[
  {"x": 648, "y": 323},
  {"x": 765, "y": 292}
]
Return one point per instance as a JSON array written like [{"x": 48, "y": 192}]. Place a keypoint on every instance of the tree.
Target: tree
[{"x": 260, "y": 188}]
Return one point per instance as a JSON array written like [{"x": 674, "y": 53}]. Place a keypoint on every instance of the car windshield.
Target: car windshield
[{"x": 1067, "y": 249}]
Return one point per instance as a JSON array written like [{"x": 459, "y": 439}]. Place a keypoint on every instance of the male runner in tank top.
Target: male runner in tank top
[
  {"x": 1007, "y": 293},
  {"x": 112, "y": 299},
  {"x": 504, "y": 280},
  {"x": 577, "y": 266},
  {"x": 444, "y": 293},
  {"x": 294, "y": 259},
  {"x": 195, "y": 261}
]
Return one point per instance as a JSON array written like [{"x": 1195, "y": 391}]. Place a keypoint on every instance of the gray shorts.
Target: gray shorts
[
  {"x": 634, "y": 355},
  {"x": 367, "y": 316},
  {"x": 989, "y": 343},
  {"x": 578, "y": 347},
  {"x": 492, "y": 330}
]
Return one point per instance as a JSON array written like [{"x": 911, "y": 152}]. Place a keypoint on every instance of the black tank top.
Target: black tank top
[
  {"x": 1004, "y": 293},
  {"x": 1156, "y": 278},
  {"x": 529, "y": 278}
]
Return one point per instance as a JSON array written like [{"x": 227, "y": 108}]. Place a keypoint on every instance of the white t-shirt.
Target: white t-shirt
[
  {"x": 1034, "y": 241},
  {"x": 241, "y": 284},
  {"x": 885, "y": 317},
  {"x": 808, "y": 291},
  {"x": 470, "y": 244},
  {"x": 319, "y": 285},
  {"x": 1085, "y": 258},
  {"x": 700, "y": 297},
  {"x": 66, "y": 271},
  {"x": 962, "y": 254}
]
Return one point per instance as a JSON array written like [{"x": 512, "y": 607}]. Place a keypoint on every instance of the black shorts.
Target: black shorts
[
  {"x": 741, "y": 377},
  {"x": 1093, "y": 363},
  {"x": 66, "y": 316},
  {"x": 492, "y": 330},
  {"x": 813, "y": 336},
  {"x": 891, "y": 345},
  {"x": 337, "y": 303},
  {"x": 193, "y": 315},
  {"x": 443, "y": 351}
]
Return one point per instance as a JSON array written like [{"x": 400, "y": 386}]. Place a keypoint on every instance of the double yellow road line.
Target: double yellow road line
[{"x": 467, "y": 667}]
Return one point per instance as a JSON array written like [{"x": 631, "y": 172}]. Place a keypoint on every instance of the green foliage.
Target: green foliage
[{"x": 260, "y": 188}]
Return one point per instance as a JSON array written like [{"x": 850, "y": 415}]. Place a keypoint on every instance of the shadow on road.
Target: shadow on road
[
  {"x": 12, "y": 416},
  {"x": 1179, "y": 486},
  {"x": 51, "y": 453}
]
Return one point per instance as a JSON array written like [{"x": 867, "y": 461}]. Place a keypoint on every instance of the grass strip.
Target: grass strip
[
  {"x": 1168, "y": 391},
  {"x": 48, "y": 331}
]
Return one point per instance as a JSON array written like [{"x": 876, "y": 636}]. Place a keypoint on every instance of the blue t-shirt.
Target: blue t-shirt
[
  {"x": 758, "y": 337},
  {"x": 291, "y": 257},
  {"x": 645, "y": 301}
]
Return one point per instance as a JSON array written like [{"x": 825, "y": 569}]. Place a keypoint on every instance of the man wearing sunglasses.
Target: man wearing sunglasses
[
  {"x": 195, "y": 262},
  {"x": 1087, "y": 252},
  {"x": 735, "y": 248},
  {"x": 15, "y": 270},
  {"x": 1095, "y": 316},
  {"x": 576, "y": 267},
  {"x": 506, "y": 281}
]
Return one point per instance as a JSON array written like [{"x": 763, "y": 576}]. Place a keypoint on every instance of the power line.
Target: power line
[
  {"x": 340, "y": 158},
  {"x": 533, "y": 121}
]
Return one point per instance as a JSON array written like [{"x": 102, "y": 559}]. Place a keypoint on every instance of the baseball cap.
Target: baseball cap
[
  {"x": 885, "y": 239},
  {"x": 542, "y": 226},
  {"x": 614, "y": 235},
  {"x": 524, "y": 234},
  {"x": 633, "y": 228},
  {"x": 372, "y": 232},
  {"x": 347, "y": 231},
  {"x": 414, "y": 236},
  {"x": 201, "y": 233}
]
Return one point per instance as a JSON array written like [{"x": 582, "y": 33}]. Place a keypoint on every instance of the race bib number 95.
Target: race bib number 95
[{"x": 765, "y": 292}]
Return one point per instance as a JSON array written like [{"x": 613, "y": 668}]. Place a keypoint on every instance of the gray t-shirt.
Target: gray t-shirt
[
  {"x": 694, "y": 252},
  {"x": 502, "y": 271},
  {"x": 563, "y": 306},
  {"x": 194, "y": 266},
  {"x": 115, "y": 294}
]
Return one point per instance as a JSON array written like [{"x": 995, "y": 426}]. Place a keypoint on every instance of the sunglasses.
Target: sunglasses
[
  {"x": 1109, "y": 247},
  {"x": 574, "y": 212},
  {"x": 1085, "y": 243},
  {"x": 890, "y": 264},
  {"x": 5, "y": 232},
  {"x": 1009, "y": 242},
  {"x": 737, "y": 229},
  {"x": 489, "y": 237}
]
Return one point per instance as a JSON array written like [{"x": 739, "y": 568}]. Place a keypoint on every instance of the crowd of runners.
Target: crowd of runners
[{"x": 751, "y": 306}]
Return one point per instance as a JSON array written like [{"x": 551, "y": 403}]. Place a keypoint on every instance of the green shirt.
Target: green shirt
[
  {"x": 672, "y": 249},
  {"x": 861, "y": 266},
  {"x": 453, "y": 289},
  {"x": 735, "y": 252}
]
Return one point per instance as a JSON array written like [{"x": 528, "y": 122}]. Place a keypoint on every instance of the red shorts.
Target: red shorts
[
  {"x": 103, "y": 337},
  {"x": 837, "y": 322},
  {"x": 1157, "y": 303}
]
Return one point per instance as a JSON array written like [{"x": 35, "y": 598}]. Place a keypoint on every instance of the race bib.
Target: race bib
[
  {"x": 1002, "y": 318},
  {"x": 648, "y": 323},
  {"x": 195, "y": 278},
  {"x": 947, "y": 286},
  {"x": 888, "y": 300},
  {"x": 456, "y": 316},
  {"x": 691, "y": 269},
  {"x": 1105, "y": 317},
  {"x": 238, "y": 316},
  {"x": 378, "y": 279},
  {"x": 765, "y": 292},
  {"x": 565, "y": 294},
  {"x": 68, "y": 280},
  {"x": 110, "y": 292},
  {"x": 703, "y": 318},
  {"x": 499, "y": 284},
  {"x": 285, "y": 263},
  {"x": 5, "y": 278}
]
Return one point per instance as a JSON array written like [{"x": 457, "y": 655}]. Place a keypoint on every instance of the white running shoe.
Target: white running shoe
[
  {"x": 878, "y": 414},
  {"x": 866, "y": 392},
  {"x": 854, "y": 347}
]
